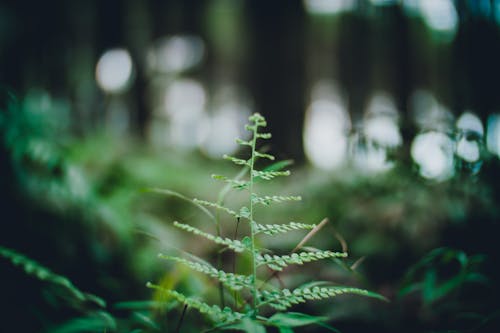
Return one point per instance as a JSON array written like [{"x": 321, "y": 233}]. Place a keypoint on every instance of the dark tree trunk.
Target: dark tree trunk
[{"x": 277, "y": 73}]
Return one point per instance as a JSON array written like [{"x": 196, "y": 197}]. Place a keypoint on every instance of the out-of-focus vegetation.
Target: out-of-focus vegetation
[
  {"x": 389, "y": 109},
  {"x": 77, "y": 207}
]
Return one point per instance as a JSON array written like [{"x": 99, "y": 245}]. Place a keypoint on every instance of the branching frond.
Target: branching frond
[
  {"x": 284, "y": 299},
  {"x": 265, "y": 295},
  {"x": 235, "y": 244},
  {"x": 271, "y": 229},
  {"x": 236, "y": 184},
  {"x": 268, "y": 175},
  {"x": 216, "y": 206},
  {"x": 277, "y": 263},
  {"x": 230, "y": 280},
  {"x": 217, "y": 314},
  {"x": 268, "y": 199}
]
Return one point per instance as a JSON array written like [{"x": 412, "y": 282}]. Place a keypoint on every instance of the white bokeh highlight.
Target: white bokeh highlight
[
  {"x": 326, "y": 127},
  {"x": 433, "y": 153},
  {"x": 114, "y": 71}
]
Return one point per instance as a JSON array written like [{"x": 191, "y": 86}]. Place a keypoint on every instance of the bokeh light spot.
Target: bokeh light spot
[
  {"x": 176, "y": 53},
  {"x": 433, "y": 153},
  {"x": 114, "y": 71}
]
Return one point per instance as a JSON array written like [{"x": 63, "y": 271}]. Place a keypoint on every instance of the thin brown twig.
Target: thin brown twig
[
  {"x": 341, "y": 240},
  {"x": 309, "y": 235},
  {"x": 357, "y": 263}
]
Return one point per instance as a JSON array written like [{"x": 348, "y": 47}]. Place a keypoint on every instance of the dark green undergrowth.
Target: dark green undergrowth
[{"x": 74, "y": 208}]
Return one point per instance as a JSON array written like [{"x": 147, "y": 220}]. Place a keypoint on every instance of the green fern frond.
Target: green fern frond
[
  {"x": 277, "y": 263},
  {"x": 235, "y": 244},
  {"x": 236, "y": 184},
  {"x": 268, "y": 175},
  {"x": 284, "y": 299},
  {"x": 271, "y": 229},
  {"x": 33, "y": 268},
  {"x": 266, "y": 294},
  {"x": 268, "y": 199},
  {"x": 216, "y": 206},
  {"x": 230, "y": 280},
  {"x": 235, "y": 160},
  {"x": 217, "y": 314}
]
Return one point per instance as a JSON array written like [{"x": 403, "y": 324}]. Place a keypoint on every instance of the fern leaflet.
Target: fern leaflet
[
  {"x": 272, "y": 229},
  {"x": 232, "y": 281},
  {"x": 235, "y": 245},
  {"x": 225, "y": 315},
  {"x": 277, "y": 263}
]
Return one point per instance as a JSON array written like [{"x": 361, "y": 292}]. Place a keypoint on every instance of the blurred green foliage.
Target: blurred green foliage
[{"x": 75, "y": 204}]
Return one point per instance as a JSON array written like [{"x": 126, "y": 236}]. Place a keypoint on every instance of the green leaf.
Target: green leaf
[
  {"x": 294, "y": 319},
  {"x": 243, "y": 142},
  {"x": 216, "y": 206},
  {"x": 96, "y": 322},
  {"x": 215, "y": 312},
  {"x": 285, "y": 320},
  {"x": 263, "y": 155},
  {"x": 235, "y": 245},
  {"x": 283, "y": 329},
  {"x": 276, "y": 262},
  {"x": 235, "y": 183},
  {"x": 277, "y": 166},
  {"x": 235, "y": 160},
  {"x": 247, "y": 325},
  {"x": 425, "y": 275},
  {"x": 268, "y": 199},
  {"x": 271, "y": 229},
  {"x": 264, "y": 135},
  {"x": 283, "y": 299},
  {"x": 227, "y": 188},
  {"x": 182, "y": 197},
  {"x": 247, "y": 241},
  {"x": 33, "y": 268},
  {"x": 268, "y": 175},
  {"x": 230, "y": 280},
  {"x": 146, "y": 321},
  {"x": 245, "y": 212},
  {"x": 140, "y": 305}
]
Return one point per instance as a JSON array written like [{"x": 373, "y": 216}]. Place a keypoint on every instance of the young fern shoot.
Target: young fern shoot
[{"x": 266, "y": 295}]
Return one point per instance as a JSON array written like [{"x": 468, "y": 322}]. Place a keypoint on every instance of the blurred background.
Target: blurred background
[{"x": 389, "y": 109}]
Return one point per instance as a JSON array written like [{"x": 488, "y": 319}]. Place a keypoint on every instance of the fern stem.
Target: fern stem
[
  {"x": 234, "y": 260},
  {"x": 219, "y": 255},
  {"x": 252, "y": 225}
]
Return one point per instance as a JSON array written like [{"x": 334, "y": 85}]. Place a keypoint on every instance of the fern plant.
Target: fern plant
[{"x": 258, "y": 294}]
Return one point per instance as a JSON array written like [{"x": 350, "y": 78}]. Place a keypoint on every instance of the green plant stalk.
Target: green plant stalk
[
  {"x": 252, "y": 227},
  {"x": 219, "y": 257}
]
